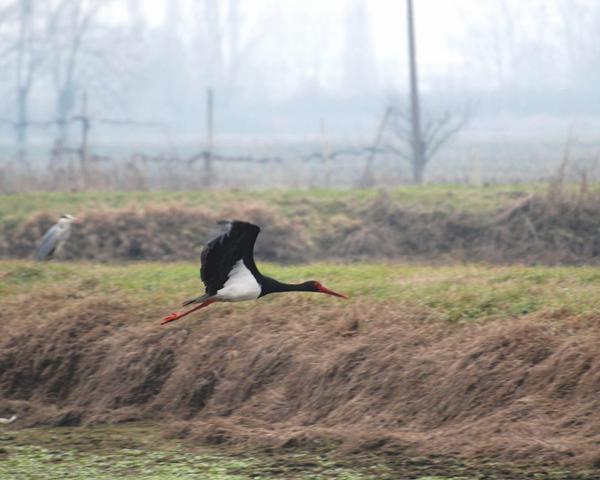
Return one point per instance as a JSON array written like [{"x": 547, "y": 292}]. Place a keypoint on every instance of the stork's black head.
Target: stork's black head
[
  {"x": 314, "y": 286},
  {"x": 270, "y": 285}
]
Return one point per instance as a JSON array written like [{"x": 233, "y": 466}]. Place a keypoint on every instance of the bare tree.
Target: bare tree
[
  {"x": 212, "y": 40},
  {"x": 71, "y": 22},
  {"x": 580, "y": 21},
  {"x": 87, "y": 53},
  {"x": 491, "y": 44},
  {"x": 54, "y": 42},
  {"x": 358, "y": 59},
  {"x": 224, "y": 40},
  {"x": 23, "y": 58},
  {"x": 515, "y": 44},
  {"x": 438, "y": 130}
]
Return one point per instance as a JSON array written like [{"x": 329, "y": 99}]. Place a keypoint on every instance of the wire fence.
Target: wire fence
[{"x": 81, "y": 164}]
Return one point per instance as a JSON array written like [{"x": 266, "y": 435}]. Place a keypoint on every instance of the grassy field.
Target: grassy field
[
  {"x": 455, "y": 294},
  {"x": 513, "y": 224},
  {"x": 450, "y": 293},
  {"x": 463, "y": 198}
]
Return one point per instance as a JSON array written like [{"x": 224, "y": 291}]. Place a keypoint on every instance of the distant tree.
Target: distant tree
[
  {"x": 580, "y": 23},
  {"x": 88, "y": 51},
  {"x": 225, "y": 42},
  {"x": 22, "y": 60},
  {"x": 515, "y": 44},
  {"x": 438, "y": 129},
  {"x": 76, "y": 41},
  {"x": 65, "y": 44},
  {"x": 171, "y": 61},
  {"x": 490, "y": 45},
  {"x": 358, "y": 62}
]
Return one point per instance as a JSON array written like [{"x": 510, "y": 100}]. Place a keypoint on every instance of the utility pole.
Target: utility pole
[{"x": 418, "y": 160}]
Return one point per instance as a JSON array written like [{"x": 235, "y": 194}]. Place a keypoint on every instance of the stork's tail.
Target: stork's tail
[{"x": 199, "y": 299}]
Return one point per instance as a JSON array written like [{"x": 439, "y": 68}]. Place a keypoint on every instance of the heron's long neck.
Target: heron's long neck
[{"x": 270, "y": 285}]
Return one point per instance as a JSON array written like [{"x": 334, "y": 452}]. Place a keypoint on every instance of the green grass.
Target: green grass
[
  {"x": 139, "y": 451},
  {"x": 450, "y": 293},
  {"x": 14, "y": 207}
]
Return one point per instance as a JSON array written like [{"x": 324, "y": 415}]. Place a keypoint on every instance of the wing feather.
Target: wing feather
[
  {"x": 49, "y": 243},
  {"x": 53, "y": 240},
  {"x": 223, "y": 252}
]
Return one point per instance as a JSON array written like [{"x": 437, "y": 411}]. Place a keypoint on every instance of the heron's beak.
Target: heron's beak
[{"x": 323, "y": 289}]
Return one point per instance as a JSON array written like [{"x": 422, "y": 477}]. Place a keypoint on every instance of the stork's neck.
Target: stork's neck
[{"x": 270, "y": 285}]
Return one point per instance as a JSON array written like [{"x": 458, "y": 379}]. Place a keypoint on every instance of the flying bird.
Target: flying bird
[
  {"x": 229, "y": 273},
  {"x": 55, "y": 238}
]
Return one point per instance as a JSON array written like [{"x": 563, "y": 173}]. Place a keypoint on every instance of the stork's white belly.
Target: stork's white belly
[{"x": 240, "y": 285}]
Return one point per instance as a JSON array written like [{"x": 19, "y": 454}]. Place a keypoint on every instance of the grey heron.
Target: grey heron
[{"x": 55, "y": 238}]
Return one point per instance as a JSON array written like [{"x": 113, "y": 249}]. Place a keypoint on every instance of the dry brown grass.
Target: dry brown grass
[
  {"x": 154, "y": 234},
  {"x": 370, "y": 376},
  {"x": 557, "y": 227}
]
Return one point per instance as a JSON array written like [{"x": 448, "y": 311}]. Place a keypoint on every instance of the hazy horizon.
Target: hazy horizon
[{"x": 528, "y": 73}]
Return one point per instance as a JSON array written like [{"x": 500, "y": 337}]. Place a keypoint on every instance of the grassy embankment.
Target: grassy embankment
[
  {"x": 459, "y": 295},
  {"x": 456, "y": 294},
  {"x": 444, "y": 197}
]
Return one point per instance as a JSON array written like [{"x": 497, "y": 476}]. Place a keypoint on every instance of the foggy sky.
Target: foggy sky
[
  {"x": 446, "y": 30},
  {"x": 289, "y": 63}
]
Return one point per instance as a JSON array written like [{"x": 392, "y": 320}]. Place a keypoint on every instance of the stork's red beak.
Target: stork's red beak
[{"x": 323, "y": 289}]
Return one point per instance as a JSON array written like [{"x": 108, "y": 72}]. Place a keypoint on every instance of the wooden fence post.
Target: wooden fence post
[{"x": 83, "y": 148}]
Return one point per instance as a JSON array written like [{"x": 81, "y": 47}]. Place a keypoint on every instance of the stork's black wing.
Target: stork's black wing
[{"x": 222, "y": 253}]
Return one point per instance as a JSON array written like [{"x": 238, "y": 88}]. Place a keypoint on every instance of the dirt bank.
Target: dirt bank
[
  {"x": 537, "y": 229},
  {"x": 152, "y": 234},
  {"x": 366, "y": 377}
]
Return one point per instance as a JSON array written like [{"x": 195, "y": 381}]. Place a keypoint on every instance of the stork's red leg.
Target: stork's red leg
[{"x": 178, "y": 315}]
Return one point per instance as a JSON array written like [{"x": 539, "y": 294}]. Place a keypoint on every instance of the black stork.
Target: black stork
[{"x": 229, "y": 273}]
